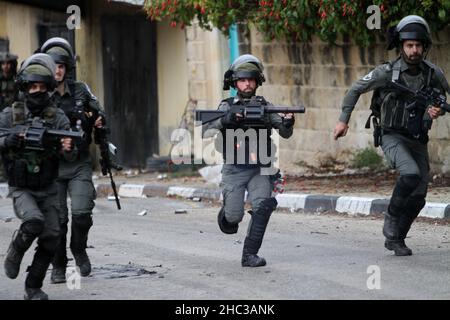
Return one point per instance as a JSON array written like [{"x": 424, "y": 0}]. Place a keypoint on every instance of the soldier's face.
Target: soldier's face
[
  {"x": 413, "y": 51},
  {"x": 247, "y": 86},
  {"x": 60, "y": 72},
  {"x": 37, "y": 87},
  {"x": 6, "y": 67}
]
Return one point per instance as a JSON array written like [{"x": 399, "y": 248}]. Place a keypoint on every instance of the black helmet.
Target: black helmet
[
  {"x": 60, "y": 50},
  {"x": 7, "y": 57},
  {"x": 37, "y": 68},
  {"x": 410, "y": 28},
  {"x": 11, "y": 58},
  {"x": 245, "y": 66}
]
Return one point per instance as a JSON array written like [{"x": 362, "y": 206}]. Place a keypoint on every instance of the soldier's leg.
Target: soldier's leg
[
  {"x": 416, "y": 201},
  {"x": 26, "y": 209},
  {"x": 260, "y": 190},
  {"x": 234, "y": 182},
  {"x": 400, "y": 157},
  {"x": 60, "y": 259},
  {"x": 82, "y": 195},
  {"x": 48, "y": 242}
]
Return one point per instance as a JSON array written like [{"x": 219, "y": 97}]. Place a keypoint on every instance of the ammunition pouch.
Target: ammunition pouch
[{"x": 22, "y": 175}]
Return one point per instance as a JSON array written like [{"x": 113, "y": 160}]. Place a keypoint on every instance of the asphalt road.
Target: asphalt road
[{"x": 163, "y": 255}]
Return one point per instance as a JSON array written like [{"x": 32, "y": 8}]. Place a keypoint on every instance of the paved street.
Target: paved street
[{"x": 163, "y": 255}]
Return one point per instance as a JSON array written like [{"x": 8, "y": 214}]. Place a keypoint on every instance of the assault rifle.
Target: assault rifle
[
  {"x": 39, "y": 137},
  {"x": 422, "y": 98},
  {"x": 106, "y": 163},
  {"x": 253, "y": 110}
]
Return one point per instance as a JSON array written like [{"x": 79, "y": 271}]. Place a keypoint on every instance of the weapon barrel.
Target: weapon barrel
[
  {"x": 206, "y": 116},
  {"x": 285, "y": 109},
  {"x": 66, "y": 134}
]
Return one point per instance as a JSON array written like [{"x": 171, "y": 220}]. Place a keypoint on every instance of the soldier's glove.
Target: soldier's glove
[
  {"x": 288, "y": 122},
  {"x": 229, "y": 120},
  {"x": 13, "y": 141}
]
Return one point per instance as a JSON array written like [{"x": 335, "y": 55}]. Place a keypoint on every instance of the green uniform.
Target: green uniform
[
  {"x": 75, "y": 178},
  {"x": 32, "y": 186},
  {"x": 404, "y": 135}
]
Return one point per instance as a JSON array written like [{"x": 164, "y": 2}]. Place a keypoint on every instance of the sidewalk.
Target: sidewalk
[
  {"x": 317, "y": 194},
  {"x": 327, "y": 194}
]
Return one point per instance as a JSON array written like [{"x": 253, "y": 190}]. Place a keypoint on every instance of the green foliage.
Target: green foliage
[
  {"x": 299, "y": 20},
  {"x": 367, "y": 158}
]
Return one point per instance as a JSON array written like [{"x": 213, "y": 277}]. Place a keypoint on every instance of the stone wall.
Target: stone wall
[{"x": 318, "y": 75}]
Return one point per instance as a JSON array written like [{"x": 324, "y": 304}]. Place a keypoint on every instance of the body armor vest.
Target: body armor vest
[
  {"x": 246, "y": 144},
  {"x": 31, "y": 169}
]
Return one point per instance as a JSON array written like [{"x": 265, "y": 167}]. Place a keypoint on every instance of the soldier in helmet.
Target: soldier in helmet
[
  {"x": 32, "y": 173},
  {"x": 75, "y": 178},
  {"x": 8, "y": 88},
  {"x": 403, "y": 132},
  {"x": 245, "y": 75}
]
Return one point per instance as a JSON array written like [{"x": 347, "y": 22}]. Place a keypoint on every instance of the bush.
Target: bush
[
  {"x": 299, "y": 20},
  {"x": 367, "y": 158}
]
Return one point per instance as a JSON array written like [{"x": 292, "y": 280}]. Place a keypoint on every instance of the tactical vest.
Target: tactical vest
[
  {"x": 389, "y": 106},
  {"x": 252, "y": 152},
  {"x": 30, "y": 169}
]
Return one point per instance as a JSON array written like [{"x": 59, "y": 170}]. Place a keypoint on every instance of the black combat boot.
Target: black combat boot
[
  {"x": 252, "y": 260},
  {"x": 257, "y": 228},
  {"x": 58, "y": 275},
  {"x": 412, "y": 209},
  {"x": 398, "y": 246},
  {"x": 394, "y": 219},
  {"x": 35, "y": 294},
  {"x": 78, "y": 242},
  {"x": 19, "y": 245},
  {"x": 60, "y": 259},
  {"x": 390, "y": 227},
  {"x": 37, "y": 272},
  {"x": 224, "y": 225},
  {"x": 82, "y": 261}
]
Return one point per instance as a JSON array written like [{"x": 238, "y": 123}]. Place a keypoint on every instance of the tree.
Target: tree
[{"x": 299, "y": 20}]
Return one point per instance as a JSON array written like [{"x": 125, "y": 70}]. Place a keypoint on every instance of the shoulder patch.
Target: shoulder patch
[
  {"x": 49, "y": 114},
  {"x": 18, "y": 113}
]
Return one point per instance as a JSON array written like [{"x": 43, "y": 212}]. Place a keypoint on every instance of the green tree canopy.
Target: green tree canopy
[{"x": 299, "y": 20}]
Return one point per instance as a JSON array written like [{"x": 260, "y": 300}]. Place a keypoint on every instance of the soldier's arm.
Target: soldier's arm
[
  {"x": 63, "y": 123},
  {"x": 5, "y": 122},
  {"x": 277, "y": 122},
  {"x": 93, "y": 104},
  {"x": 216, "y": 124},
  {"x": 445, "y": 88},
  {"x": 373, "y": 80},
  {"x": 91, "y": 98}
]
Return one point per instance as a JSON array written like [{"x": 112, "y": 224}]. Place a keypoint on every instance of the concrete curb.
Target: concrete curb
[{"x": 292, "y": 201}]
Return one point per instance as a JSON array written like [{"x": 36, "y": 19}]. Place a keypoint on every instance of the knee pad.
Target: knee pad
[
  {"x": 414, "y": 205},
  {"x": 32, "y": 227},
  {"x": 83, "y": 222},
  {"x": 408, "y": 182},
  {"x": 267, "y": 206}
]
